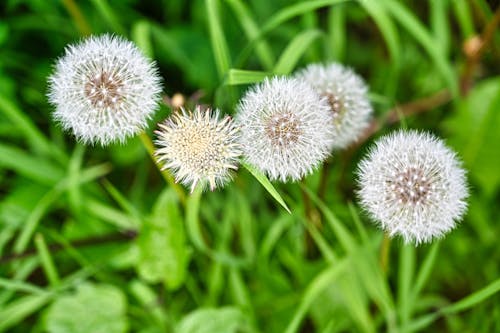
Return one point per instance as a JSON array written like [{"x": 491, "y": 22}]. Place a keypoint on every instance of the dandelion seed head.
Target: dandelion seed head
[
  {"x": 286, "y": 128},
  {"x": 412, "y": 185},
  {"x": 346, "y": 93},
  {"x": 104, "y": 89},
  {"x": 199, "y": 148}
]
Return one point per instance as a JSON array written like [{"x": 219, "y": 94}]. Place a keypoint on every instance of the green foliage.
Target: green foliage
[
  {"x": 93, "y": 308},
  {"x": 98, "y": 240}
]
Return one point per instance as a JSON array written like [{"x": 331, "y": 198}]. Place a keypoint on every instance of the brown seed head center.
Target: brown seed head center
[
  {"x": 283, "y": 129},
  {"x": 104, "y": 90},
  {"x": 336, "y": 105},
  {"x": 410, "y": 186}
]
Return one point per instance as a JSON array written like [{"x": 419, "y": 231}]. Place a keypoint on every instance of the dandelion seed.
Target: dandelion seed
[
  {"x": 286, "y": 128},
  {"x": 199, "y": 148},
  {"x": 104, "y": 89},
  {"x": 346, "y": 93},
  {"x": 413, "y": 186}
]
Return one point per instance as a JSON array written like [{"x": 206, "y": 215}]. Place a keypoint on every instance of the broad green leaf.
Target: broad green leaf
[
  {"x": 294, "y": 50},
  {"x": 241, "y": 76},
  {"x": 92, "y": 308},
  {"x": 267, "y": 185},
  {"x": 221, "y": 320},
  {"x": 163, "y": 251},
  {"x": 474, "y": 129}
]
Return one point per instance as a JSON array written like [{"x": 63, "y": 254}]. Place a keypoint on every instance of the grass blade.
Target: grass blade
[
  {"x": 313, "y": 290},
  {"x": 251, "y": 29},
  {"x": 267, "y": 185},
  {"x": 241, "y": 76},
  {"x": 415, "y": 28},
  {"x": 294, "y": 50},
  {"x": 219, "y": 45}
]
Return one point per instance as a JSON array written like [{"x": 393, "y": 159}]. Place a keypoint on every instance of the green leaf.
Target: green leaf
[
  {"x": 313, "y": 290},
  {"x": 219, "y": 45},
  {"x": 251, "y": 29},
  {"x": 15, "y": 312},
  {"x": 294, "y": 50},
  {"x": 40, "y": 170},
  {"x": 386, "y": 26},
  {"x": 267, "y": 185},
  {"x": 34, "y": 136},
  {"x": 221, "y": 320},
  {"x": 416, "y": 29},
  {"x": 163, "y": 252},
  {"x": 294, "y": 10},
  {"x": 475, "y": 127},
  {"x": 474, "y": 298},
  {"x": 241, "y": 76},
  {"x": 93, "y": 308}
]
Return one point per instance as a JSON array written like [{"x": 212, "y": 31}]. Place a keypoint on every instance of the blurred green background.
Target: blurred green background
[{"x": 93, "y": 240}]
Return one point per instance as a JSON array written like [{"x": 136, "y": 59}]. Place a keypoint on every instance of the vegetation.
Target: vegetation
[{"x": 97, "y": 239}]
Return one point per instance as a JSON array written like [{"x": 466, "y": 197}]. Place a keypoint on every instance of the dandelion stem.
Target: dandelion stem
[
  {"x": 77, "y": 17},
  {"x": 384, "y": 253},
  {"x": 148, "y": 145}
]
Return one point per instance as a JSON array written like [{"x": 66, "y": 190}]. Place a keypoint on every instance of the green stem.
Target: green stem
[{"x": 384, "y": 253}]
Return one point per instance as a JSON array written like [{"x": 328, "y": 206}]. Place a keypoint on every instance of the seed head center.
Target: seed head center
[
  {"x": 283, "y": 129},
  {"x": 104, "y": 90},
  {"x": 336, "y": 104},
  {"x": 410, "y": 186}
]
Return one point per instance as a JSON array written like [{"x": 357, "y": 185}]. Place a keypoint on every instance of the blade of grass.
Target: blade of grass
[
  {"x": 30, "y": 166},
  {"x": 294, "y": 50},
  {"x": 219, "y": 45},
  {"x": 36, "y": 139},
  {"x": 376, "y": 10},
  {"x": 48, "y": 199},
  {"x": 405, "y": 280},
  {"x": 18, "y": 310},
  {"x": 108, "y": 14},
  {"x": 457, "y": 307},
  {"x": 425, "y": 270},
  {"x": 313, "y": 290},
  {"x": 464, "y": 18},
  {"x": 141, "y": 35},
  {"x": 266, "y": 184},
  {"x": 416, "y": 29},
  {"x": 251, "y": 29},
  {"x": 336, "y": 38},
  {"x": 46, "y": 259},
  {"x": 294, "y": 10},
  {"x": 241, "y": 76},
  {"x": 357, "y": 222},
  {"x": 440, "y": 24}
]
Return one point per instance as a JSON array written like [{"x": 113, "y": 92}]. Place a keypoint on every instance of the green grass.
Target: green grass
[{"x": 97, "y": 238}]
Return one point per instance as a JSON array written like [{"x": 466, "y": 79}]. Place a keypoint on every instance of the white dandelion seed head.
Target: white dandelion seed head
[
  {"x": 286, "y": 128},
  {"x": 412, "y": 185},
  {"x": 104, "y": 89},
  {"x": 347, "y": 96},
  {"x": 199, "y": 148}
]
